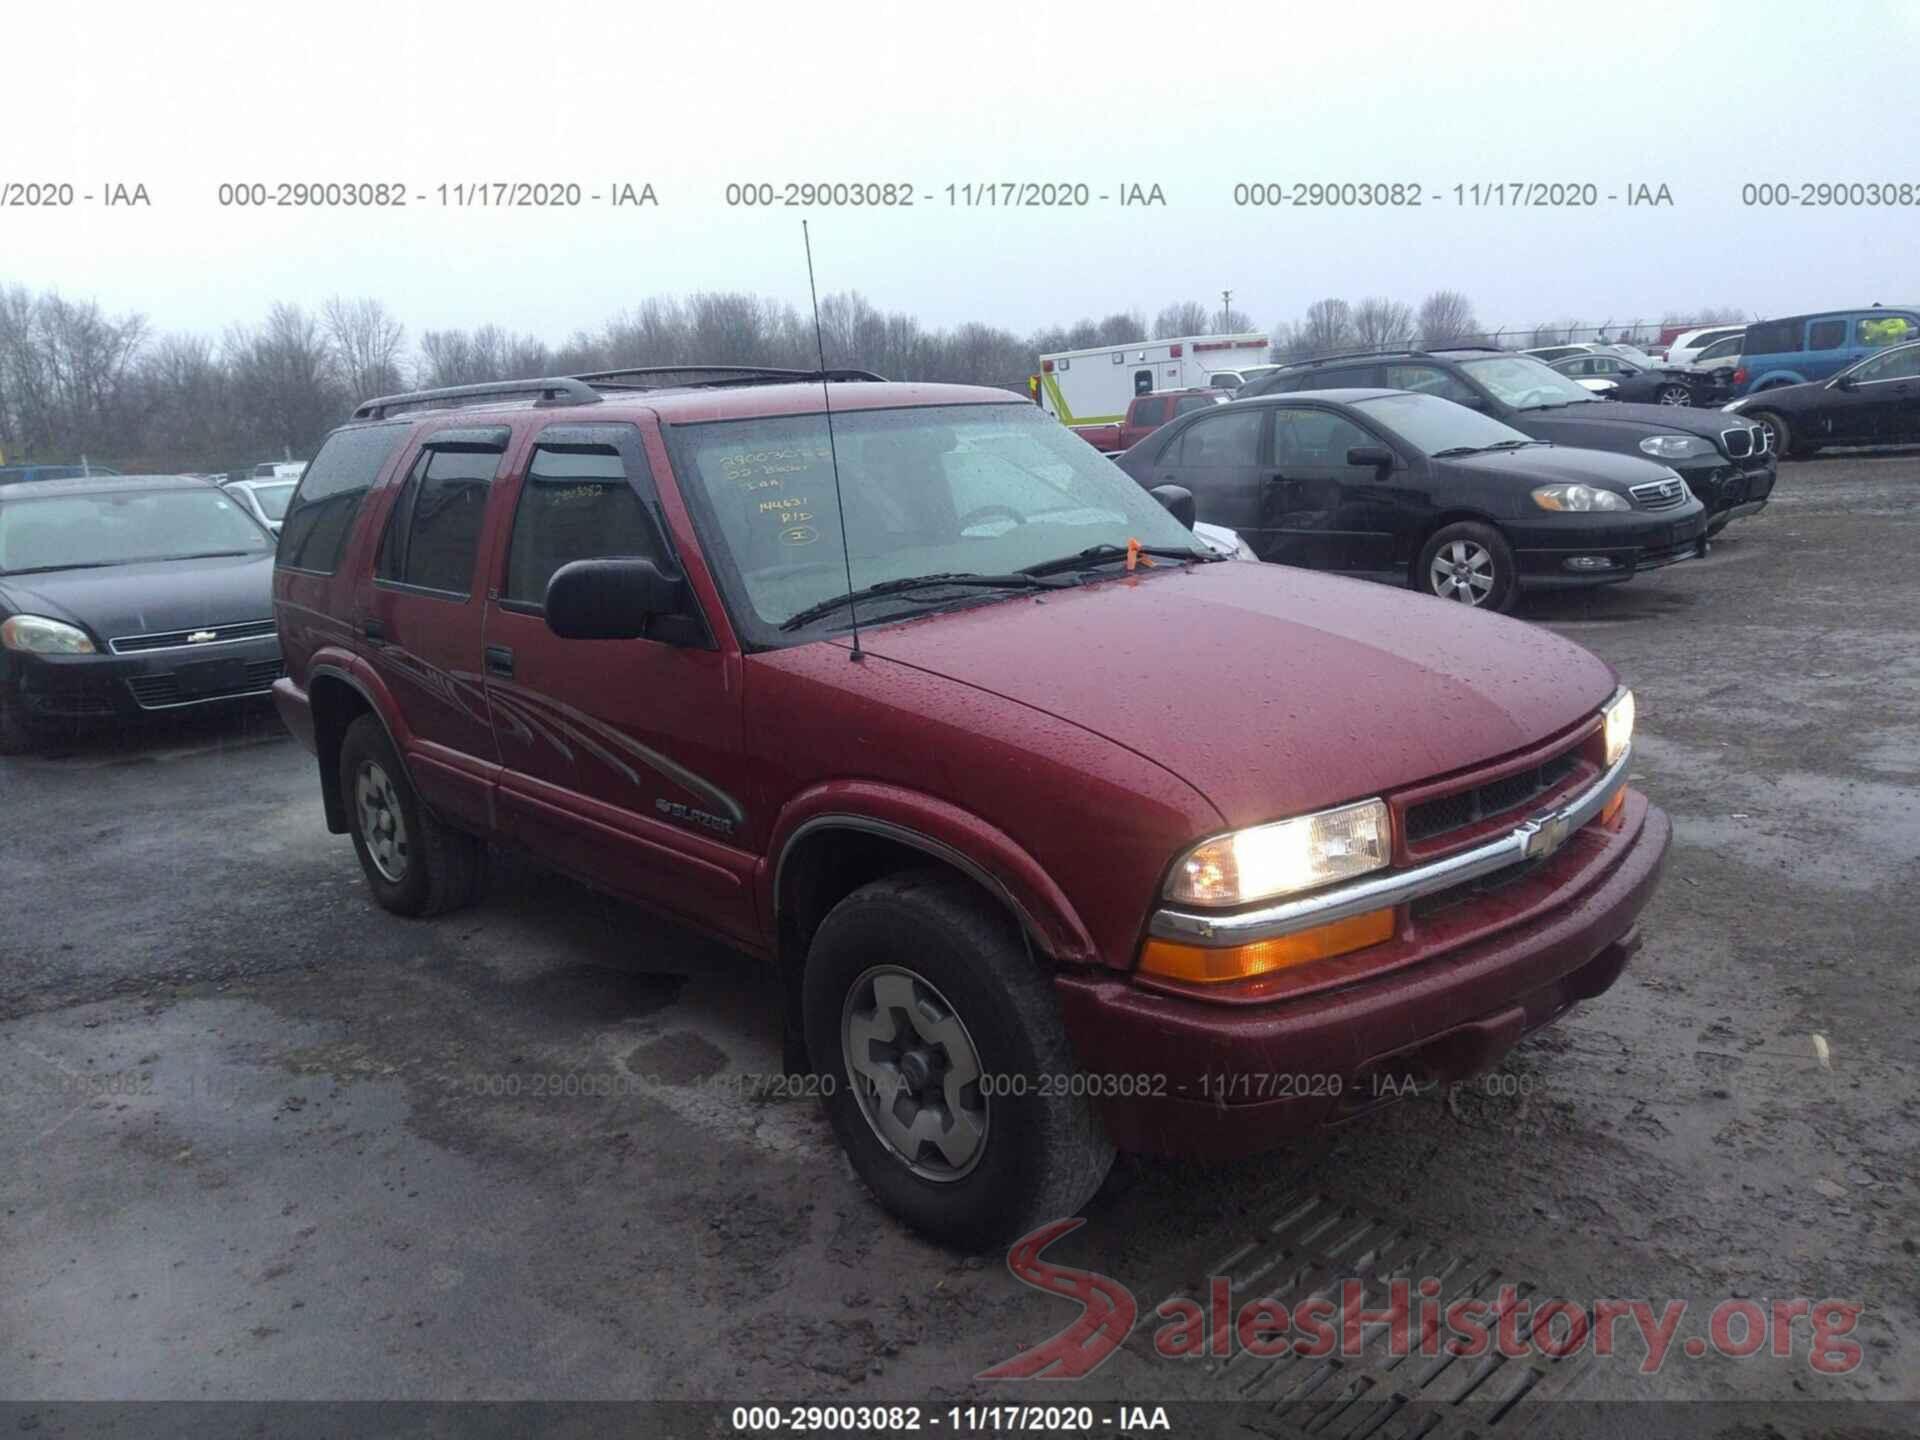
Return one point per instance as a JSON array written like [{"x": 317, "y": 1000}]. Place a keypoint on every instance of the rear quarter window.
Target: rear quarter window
[
  {"x": 1775, "y": 337},
  {"x": 320, "y": 516}
]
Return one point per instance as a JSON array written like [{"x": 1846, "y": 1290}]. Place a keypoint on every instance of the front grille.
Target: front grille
[
  {"x": 1660, "y": 494},
  {"x": 157, "y": 692},
  {"x": 1744, "y": 441},
  {"x": 1433, "y": 818},
  {"x": 179, "y": 639},
  {"x": 1428, "y": 905}
]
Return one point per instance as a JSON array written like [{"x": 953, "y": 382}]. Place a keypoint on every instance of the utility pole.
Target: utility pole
[{"x": 1226, "y": 312}]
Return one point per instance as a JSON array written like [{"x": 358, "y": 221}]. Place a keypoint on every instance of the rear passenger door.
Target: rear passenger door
[
  {"x": 421, "y": 615},
  {"x": 1221, "y": 459},
  {"x": 622, "y": 759}
]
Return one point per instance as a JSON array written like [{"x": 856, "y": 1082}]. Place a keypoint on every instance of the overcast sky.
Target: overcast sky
[{"x": 1701, "y": 97}]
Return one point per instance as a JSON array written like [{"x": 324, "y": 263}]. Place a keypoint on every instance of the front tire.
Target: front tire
[
  {"x": 1781, "y": 433},
  {"x": 1470, "y": 564},
  {"x": 414, "y": 863},
  {"x": 1674, "y": 395},
  {"x": 951, "y": 1078}
]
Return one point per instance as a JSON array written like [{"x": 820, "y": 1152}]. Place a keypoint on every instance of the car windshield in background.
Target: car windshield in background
[
  {"x": 1528, "y": 384},
  {"x": 62, "y": 532},
  {"x": 966, "y": 489},
  {"x": 1439, "y": 426},
  {"x": 273, "y": 499}
]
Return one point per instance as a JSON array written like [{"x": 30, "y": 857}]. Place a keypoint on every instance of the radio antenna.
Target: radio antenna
[{"x": 833, "y": 454}]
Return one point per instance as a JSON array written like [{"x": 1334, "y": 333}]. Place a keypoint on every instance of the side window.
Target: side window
[
  {"x": 1826, "y": 334},
  {"x": 1315, "y": 437},
  {"x": 577, "y": 504},
  {"x": 1149, "y": 411},
  {"x": 1142, "y": 381},
  {"x": 1776, "y": 337},
  {"x": 1187, "y": 404},
  {"x": 1874, "y": 331},
  {"x": 1231, "y": 438},
  {"x": 1902, "y": 365},
  {"x": 1352, "y": 377},
  {"x": 433, "y": 533},
  {"x": 320, "y": 515},
  {"x": 1427, "y": 380}
]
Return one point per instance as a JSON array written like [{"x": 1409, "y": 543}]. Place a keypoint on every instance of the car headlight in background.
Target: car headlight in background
[
  {"x": 1578, "y": 497},
  {"x": 1675, "y": 447},
  {"x": 1285, "y": 857},
  {"x": 1619, "y": 717},
  {"x": 37, "y": 635}
]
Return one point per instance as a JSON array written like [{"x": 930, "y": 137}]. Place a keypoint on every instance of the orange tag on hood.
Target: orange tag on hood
[{"x": 1134, "y": 557}]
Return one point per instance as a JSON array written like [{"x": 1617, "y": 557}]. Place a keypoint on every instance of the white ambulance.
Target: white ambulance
[{"x": 1092, "y": 387}]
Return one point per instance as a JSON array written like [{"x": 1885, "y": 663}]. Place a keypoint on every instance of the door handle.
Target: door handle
[
  {"x": 499, "y": 660},
  {"x": 374, "y": 629}
]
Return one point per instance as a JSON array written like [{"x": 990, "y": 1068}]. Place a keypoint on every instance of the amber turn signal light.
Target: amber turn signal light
[{"x": 1203, "y": 965}]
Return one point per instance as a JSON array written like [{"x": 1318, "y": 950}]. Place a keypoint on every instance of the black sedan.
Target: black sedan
[
  {"x": 1618, "y": 378},
  {"x": 1876, "y": 402},
  {"x": 122, "y": 595},
  {"x": 1421, "y": 491}
]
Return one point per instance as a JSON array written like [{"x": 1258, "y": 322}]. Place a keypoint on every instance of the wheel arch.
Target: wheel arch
[{"x": 338, "y": 698}]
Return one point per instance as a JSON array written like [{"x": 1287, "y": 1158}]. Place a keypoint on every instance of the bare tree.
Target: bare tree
[
  {"x": 1379, "y": 322},
  {"x": 367, "y": 344},
  {"x": 1187, "y": 317},
  {"x": 1326, "y": 330},
  {"x": 286, "y": 393},
  {"x": 1446, "y": 318}
]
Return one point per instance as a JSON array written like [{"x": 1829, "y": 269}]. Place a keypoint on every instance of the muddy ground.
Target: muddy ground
[{"x": 261, "y": 1140}]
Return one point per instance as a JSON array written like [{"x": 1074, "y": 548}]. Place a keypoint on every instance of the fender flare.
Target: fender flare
[
  {"x": 332, "y": 663},
  {"x": 943, "y": 831}
]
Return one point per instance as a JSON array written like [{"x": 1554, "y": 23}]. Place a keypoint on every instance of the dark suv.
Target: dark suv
[
  {"x": 1726, "y": 462},
  {"x": 1050, "y": 820}
]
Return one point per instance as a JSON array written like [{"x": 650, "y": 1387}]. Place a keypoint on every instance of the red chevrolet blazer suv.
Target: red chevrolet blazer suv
[{"x": 1064, "y": 833}]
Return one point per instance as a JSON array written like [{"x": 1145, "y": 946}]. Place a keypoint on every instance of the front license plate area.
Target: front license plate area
[{"x": 210, "y": 677}]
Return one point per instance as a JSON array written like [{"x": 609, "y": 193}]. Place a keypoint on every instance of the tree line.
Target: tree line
[{"x": 76, "y": 381}]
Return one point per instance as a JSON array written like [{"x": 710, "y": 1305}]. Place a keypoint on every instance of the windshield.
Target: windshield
[
  {"x": 60, "y": 532},
  {"x": 1436, "y": 425},
  {"x": 273, "y": 499},
  {"x": 986, "y": 489},
  {"x": 1526, "y": 383}
]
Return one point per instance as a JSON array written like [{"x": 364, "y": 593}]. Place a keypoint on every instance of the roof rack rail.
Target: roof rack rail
[
  {"x": 1359, "y": 354},
  {"x": 718, "y": 375},
  {"x": 555, "y": 389}
]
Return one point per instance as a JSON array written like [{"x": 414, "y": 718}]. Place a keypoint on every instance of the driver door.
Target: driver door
[{"x": 621, "y": 760}]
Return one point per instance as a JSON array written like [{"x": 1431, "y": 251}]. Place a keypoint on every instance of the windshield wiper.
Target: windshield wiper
[
  {"x": 964, "y": 578},
  {"x": 50, "y": 569},
  {"x": 1107, "y": 550},
  {"x": 202, "y": 555}
]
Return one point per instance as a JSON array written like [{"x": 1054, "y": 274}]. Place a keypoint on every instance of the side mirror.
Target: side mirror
[
  {"x": 610, "y": 599},
  {"x": 1376, "y": 457},
  {"x": 1178, "y": 501},
  {"x": 1845, "y": 382}
]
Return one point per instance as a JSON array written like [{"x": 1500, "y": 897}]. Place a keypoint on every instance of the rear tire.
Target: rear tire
[
  {"x": 1674, "y": 395},
  {"x": 1469, "y": 564},
  {"x": 414, "y": 863},
  {"x": 918, "y": 980}
]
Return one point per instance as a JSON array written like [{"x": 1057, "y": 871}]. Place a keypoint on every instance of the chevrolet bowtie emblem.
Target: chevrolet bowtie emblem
[
  {"x": 201, "y": 637},
  {"x": 1546, "y": 834}
]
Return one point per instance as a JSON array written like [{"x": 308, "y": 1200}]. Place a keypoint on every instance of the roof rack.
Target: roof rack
[
  {"x": 718, "y": 375},
  {"x": 1389, "y": 350},
  {"x": 555, "y": 390}
]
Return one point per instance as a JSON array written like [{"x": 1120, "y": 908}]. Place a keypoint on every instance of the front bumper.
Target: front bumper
[
  {"x": 52, "y": 689},
  {"x": 1210, "y": 1078},
  {"x": 1731, "y": 487},
  {"x": 1567, "y": 551}
]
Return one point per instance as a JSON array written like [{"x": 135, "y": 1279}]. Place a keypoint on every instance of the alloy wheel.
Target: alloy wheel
[
  {"x": 1675, "y": 395},
  {"x": 915, "y": 1072},
  {"x": 1462, "y": 571},
  {"x": 382, "y": 826}
]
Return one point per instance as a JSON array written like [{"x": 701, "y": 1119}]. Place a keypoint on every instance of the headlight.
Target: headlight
[
  {"x": 1578, "y": 497},
  {"x": 1619, "y": 714},
  {"x": 37, "y": 635},
  {"x": 1284, "y": 857},
  {"x": 1676, "y": 447}
]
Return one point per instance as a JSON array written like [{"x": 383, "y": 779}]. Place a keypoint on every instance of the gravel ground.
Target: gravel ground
[{"x": 265, "y": 1141}]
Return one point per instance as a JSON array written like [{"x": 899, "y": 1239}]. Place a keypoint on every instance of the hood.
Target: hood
[
  {"x": 1271, "y": 690},
  {"x": 149, "y": 598},
  {"x": 1562, "y": 464},
  {"x": 1622, "y": 415}
]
